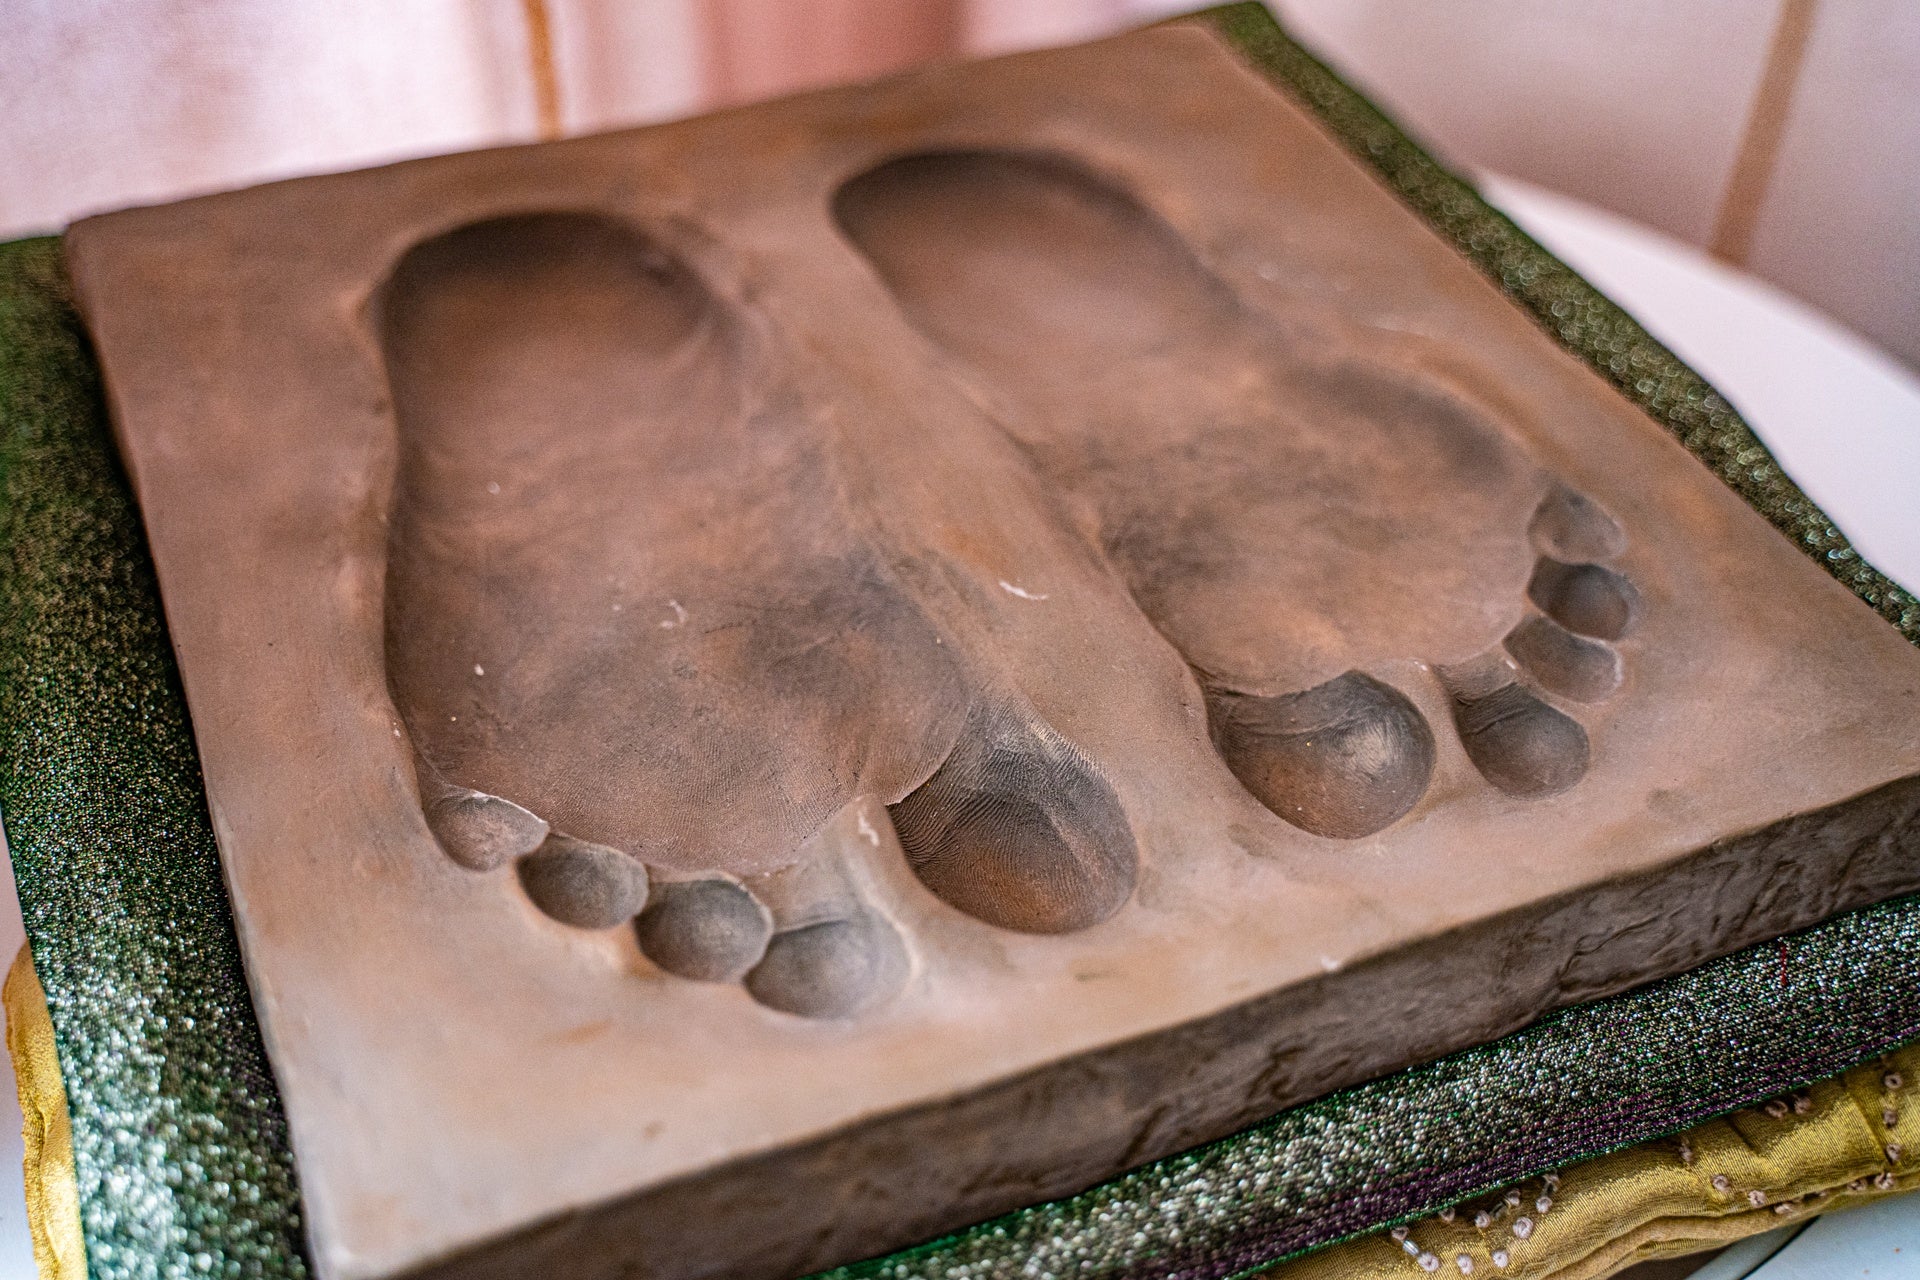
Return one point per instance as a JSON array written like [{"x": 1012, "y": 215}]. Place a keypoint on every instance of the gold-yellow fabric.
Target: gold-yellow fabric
[
  {"x": 53, "y": 1194},
  {"x": 1839, "y": 1143}
]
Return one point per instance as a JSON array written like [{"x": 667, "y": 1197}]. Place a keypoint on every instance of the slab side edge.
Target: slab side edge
[{"x": 895, "y": 1180}]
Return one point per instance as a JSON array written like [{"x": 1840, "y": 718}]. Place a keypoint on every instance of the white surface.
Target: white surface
[
  {"x": 1878, "y": 1240},
  {"x": 16, "y": 1246},
  {"x": 1740, "y": 1261},
  {"x": 1636, "y": 105},
  {"x": 1843, "y": 419},
  {"x": 110, "y": 103}
]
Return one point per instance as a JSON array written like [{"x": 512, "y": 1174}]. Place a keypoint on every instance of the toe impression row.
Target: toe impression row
[
  {"x": 1518, "y": 741},
  {"x": 803, "y": 945}
]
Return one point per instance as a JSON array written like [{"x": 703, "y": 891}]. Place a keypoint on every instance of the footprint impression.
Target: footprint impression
[
  {"x": 644, "y": 653},
  {"x": 1287, "y": 511},
  {"x": 647, "y": 653}
]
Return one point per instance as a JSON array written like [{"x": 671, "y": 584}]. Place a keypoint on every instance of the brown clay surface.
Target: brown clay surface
[{"x": 775, "y": 685}]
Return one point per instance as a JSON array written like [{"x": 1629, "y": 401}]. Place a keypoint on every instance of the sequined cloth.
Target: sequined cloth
[{"x": 180, "y": 1147}]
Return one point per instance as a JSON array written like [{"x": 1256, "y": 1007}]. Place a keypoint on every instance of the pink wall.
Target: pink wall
[{"x": 1641, "y": 106}]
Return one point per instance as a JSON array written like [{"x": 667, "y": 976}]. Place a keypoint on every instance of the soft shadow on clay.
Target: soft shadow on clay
[
  {"x": 1243, "y": 475},
  {"x": 542, "y": 367},
  {"x": 1034, "y": 270},
  {"x": 560, "y": 384}
]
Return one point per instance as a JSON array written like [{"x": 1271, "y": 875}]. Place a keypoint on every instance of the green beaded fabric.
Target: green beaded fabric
[
  {"x": 179, "y": 1142},
  {"x": 180, "y": 1145}
]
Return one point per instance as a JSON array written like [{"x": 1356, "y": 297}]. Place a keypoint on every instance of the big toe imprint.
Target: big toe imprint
[
  {"x": 1019, "y": 829},
  {"x": 1345, "y": 758},
  {"x": 645, "y": 656},
  {"x": 1290, "y": 510}
]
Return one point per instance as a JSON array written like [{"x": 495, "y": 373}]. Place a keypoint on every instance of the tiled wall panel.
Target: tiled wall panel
[{"x": 1639, "y": 106}]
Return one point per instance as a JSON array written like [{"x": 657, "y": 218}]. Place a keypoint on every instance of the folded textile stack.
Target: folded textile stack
[{"x": 1229, "y": 971}]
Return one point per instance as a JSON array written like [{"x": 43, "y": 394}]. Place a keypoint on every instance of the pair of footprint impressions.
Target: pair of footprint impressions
[{"x": 637, "y": 618}]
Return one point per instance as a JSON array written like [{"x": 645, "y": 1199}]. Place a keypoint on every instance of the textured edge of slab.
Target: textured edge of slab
[
  {"x": 1515, "y": 290},
  {"x": 892, "y": 1180}
]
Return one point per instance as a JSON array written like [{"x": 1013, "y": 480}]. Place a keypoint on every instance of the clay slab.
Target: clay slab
[{"x": 1084, "y": 621}]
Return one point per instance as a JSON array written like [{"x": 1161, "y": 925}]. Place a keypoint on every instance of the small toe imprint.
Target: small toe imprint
[
  {"x": 1589, "y": 599},
  {"x": 707, "y": 930},
  {"x": 1519, "y": 743},
  {"x": 1570, "y": 526},
  {"x": 832, "y": 969},
  {"x": 482, "y": 832},
  {"x": 1572, "y": 666},
  {"x": 1344, "y": 759},
  {"x": 582, "y": 884}
]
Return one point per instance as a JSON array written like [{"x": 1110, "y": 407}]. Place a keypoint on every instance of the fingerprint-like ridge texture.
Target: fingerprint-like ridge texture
[
  {"x": 1520, "y": 744},
  {"x": 1019, "y": 829}
]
